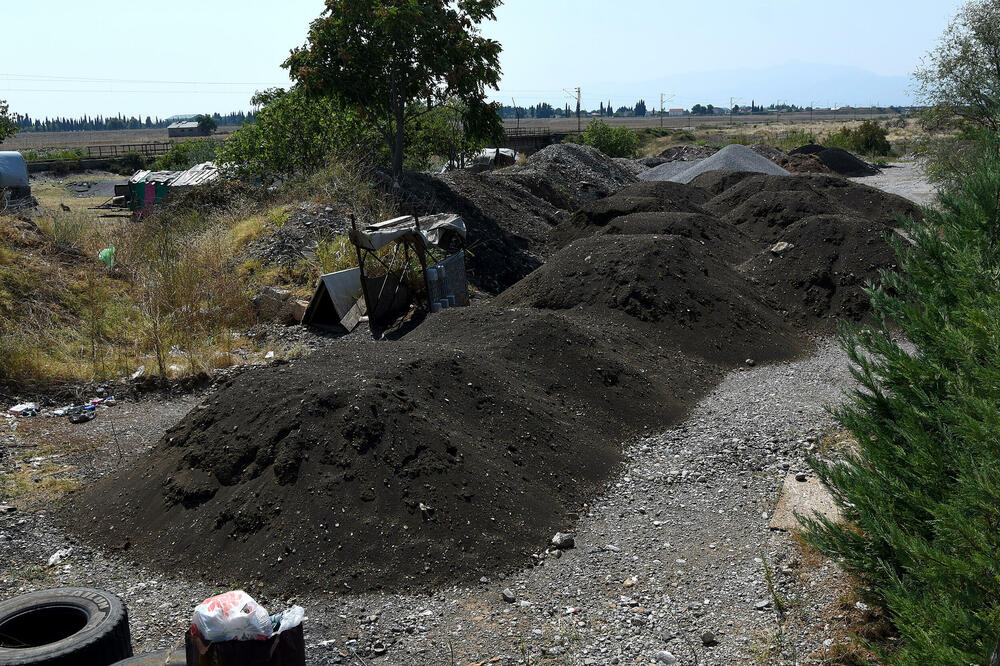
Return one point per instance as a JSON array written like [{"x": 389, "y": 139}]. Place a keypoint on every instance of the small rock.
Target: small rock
[
  {"x": 750, "y": 362},
  {"x": 762, "y": 604},
  {"x": 779, "y": 248},
  {"x": 508, "y": 596},
  {"x": 562, "y": 541},
  {"x": 664, "y": 657},
  {"x": 708, "y": 639},
  {"x": 801, "y": 476}
]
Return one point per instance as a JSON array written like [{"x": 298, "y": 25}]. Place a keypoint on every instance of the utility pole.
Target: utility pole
[
  {"x": 517, "y": 114},
  {"x": 578, "y": 125},
  {"x": 661, "y": 109}
]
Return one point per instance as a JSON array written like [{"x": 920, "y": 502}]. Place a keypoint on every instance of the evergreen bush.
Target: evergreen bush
[{"x": 921, "y": 492}]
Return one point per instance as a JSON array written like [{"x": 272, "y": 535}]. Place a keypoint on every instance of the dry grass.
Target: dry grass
[{"x": 48, "y": 141}]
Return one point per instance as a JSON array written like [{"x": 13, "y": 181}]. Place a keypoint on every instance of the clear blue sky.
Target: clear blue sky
[{"x": 66, "y": 57}]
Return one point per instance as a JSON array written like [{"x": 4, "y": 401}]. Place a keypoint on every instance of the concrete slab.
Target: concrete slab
[{"x": 805, "y": 498}]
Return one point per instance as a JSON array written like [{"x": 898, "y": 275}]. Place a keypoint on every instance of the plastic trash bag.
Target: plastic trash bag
[
  {"x": 233, "y": 616},
  {"x": 107, "y": 256},
  {"x": 288, "y": 619}
]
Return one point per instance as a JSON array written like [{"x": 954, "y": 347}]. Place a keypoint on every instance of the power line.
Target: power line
[{"x": 85, "y": 79}]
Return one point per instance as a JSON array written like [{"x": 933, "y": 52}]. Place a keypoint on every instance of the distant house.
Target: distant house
[
  {"x": 186, "y": 128},
  {"x": 675, "y": 112}
]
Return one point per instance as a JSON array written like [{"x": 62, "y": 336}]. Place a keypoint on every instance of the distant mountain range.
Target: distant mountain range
[{"x": 803, "y": 84}]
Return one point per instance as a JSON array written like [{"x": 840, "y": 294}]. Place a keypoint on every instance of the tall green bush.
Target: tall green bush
[
  {"x": 612, "y": 141},
  {"x": 921, "y": 493}
]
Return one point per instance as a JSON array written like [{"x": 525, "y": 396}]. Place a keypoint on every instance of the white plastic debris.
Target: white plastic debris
[
  {"x": 233, "y": 616},
  {"x": 236, "y": 616},
  {"x": 59, "y": 556},
  {"x": 24, "y": 409}
]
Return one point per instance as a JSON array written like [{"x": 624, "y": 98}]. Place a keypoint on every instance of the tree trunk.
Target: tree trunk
[{"x": 995, "y": 660}]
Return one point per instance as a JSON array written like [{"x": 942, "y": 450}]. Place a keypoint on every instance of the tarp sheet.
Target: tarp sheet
[
  {"x": 433, "y": 231},
  {"x": 13, "y": 169}
]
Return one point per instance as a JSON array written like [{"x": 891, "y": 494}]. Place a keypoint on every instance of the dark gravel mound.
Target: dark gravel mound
[
  {"x": 822, "y": 276},
  {"x": 668, "y": 286},
  {"x": 721, "y": 239},
  {"x": 837, "y": 160},
  {"x": 762, "y": 206},
  {"x": 394, "y": 465},
  {"x": 840, "y": 161},
  {"x": 717, "y": 182},
  {"x": 643, "y": 197},
  {"x": 569, "y": 175},
  {"x": 510, "y": 212},
  {"x": 808, "y": 149}
]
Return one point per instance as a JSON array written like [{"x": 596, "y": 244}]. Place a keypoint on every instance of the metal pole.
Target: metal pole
[{"x": 361, "y": 268}]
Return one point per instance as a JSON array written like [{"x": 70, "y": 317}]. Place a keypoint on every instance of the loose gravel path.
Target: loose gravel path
[
  {"x": 907, "y": 179},
  {"x": 675, "y": 549}
]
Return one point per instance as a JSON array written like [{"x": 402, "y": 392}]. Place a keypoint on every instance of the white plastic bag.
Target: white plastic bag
[
  {"x": 233, "y": 616},
  {"x": 289, "y": 618}
]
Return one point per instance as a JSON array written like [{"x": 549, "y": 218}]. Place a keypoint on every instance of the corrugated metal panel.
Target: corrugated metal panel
[{"x": 196, "y": 175}]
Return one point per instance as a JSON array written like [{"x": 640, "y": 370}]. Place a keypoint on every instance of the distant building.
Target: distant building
[
  {"x": 186, "y": 128},
  {"x": 675, "y": 112}
]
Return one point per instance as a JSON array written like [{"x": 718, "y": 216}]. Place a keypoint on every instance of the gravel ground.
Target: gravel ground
[
  {"x": 678, "y": 545},
  {"x": 907, "y": 179}
]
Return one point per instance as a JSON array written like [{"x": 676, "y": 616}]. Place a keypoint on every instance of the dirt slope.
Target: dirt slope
[{"x": 410, "y": 465}]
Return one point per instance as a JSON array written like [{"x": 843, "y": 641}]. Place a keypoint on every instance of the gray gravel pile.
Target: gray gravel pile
[
  {"x": 687, "y": 153},
  {"x": 668, "y": 170},
  {"x": 731, "y": 158},
  {"x": 634, "y": 166}
]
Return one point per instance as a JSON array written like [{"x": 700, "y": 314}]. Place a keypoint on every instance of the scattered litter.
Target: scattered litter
[
  {"x": 60, "y": 555},
  {"x": 82, "y": 417},
  {"x": 780, "y": 247},
  {"x": 107, "y": 256},
  {"x": 7, "y": 508},
  {"x": 138, "y": 373},
  {"x": 269, "y": 355},
  {"x": 24, "y": 409}
]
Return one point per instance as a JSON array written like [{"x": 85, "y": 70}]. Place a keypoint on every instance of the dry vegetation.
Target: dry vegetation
[
  {"x": 178, "y": 299},
  {"x": 25, "y": 141}
]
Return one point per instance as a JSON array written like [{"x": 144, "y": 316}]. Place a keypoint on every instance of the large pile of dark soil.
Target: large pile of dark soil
[
  {"x": 510, "y": 212},
  {"x": 720, "y": 239},
  {"x": 669, "y": 286},
  {"x": 822, "y": 276},
  {"x": 434, "y": 460},
  {"x": 837, "y": 160},
  {"x": 642, "y": 197},
  {"x": 762, "y": 206}
]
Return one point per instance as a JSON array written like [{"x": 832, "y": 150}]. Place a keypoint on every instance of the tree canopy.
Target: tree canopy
[
  {"x": 961, "y": 76},
  {"x": 7, "y": 125},
  {"x": 395, "y": 60}
]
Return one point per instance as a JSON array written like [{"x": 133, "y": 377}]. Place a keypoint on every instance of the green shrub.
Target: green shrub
[
  {"x": 921, "y": 493},
  {"x": 132, "y": 162},
  {"x": 185, "y": 154},
  {"x": 612, "y": 141},
  {"x": 869, "y": 138}
]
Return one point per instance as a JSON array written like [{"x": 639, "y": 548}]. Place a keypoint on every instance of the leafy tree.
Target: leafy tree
[
  {"x": 921, "y": 490},
  {"x": 612, "y": 141},
  {"x": 962, "y": 75},
  {"x": 441, "y": 132},
  {"x": 206, "y": 123},
  {"x": 7, "y": 124},
  {"x": 640, "y": 108},
  {"x": 393, "y": 60},
  {"x": 296, "y": 133},
  {"x": 698, "y": 110}
]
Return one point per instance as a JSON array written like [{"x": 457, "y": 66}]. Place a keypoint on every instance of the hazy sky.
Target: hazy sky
[{"x": 66, "y": 57}]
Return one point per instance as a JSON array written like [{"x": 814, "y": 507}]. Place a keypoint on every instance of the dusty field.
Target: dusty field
[
  {"x": 907, "y": 179},
  {"x": 49, "y": 140},
  {"x": 791, "y": 119}
]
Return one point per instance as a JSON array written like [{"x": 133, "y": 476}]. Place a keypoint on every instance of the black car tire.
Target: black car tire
[{"x": 64, "y": 626}]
